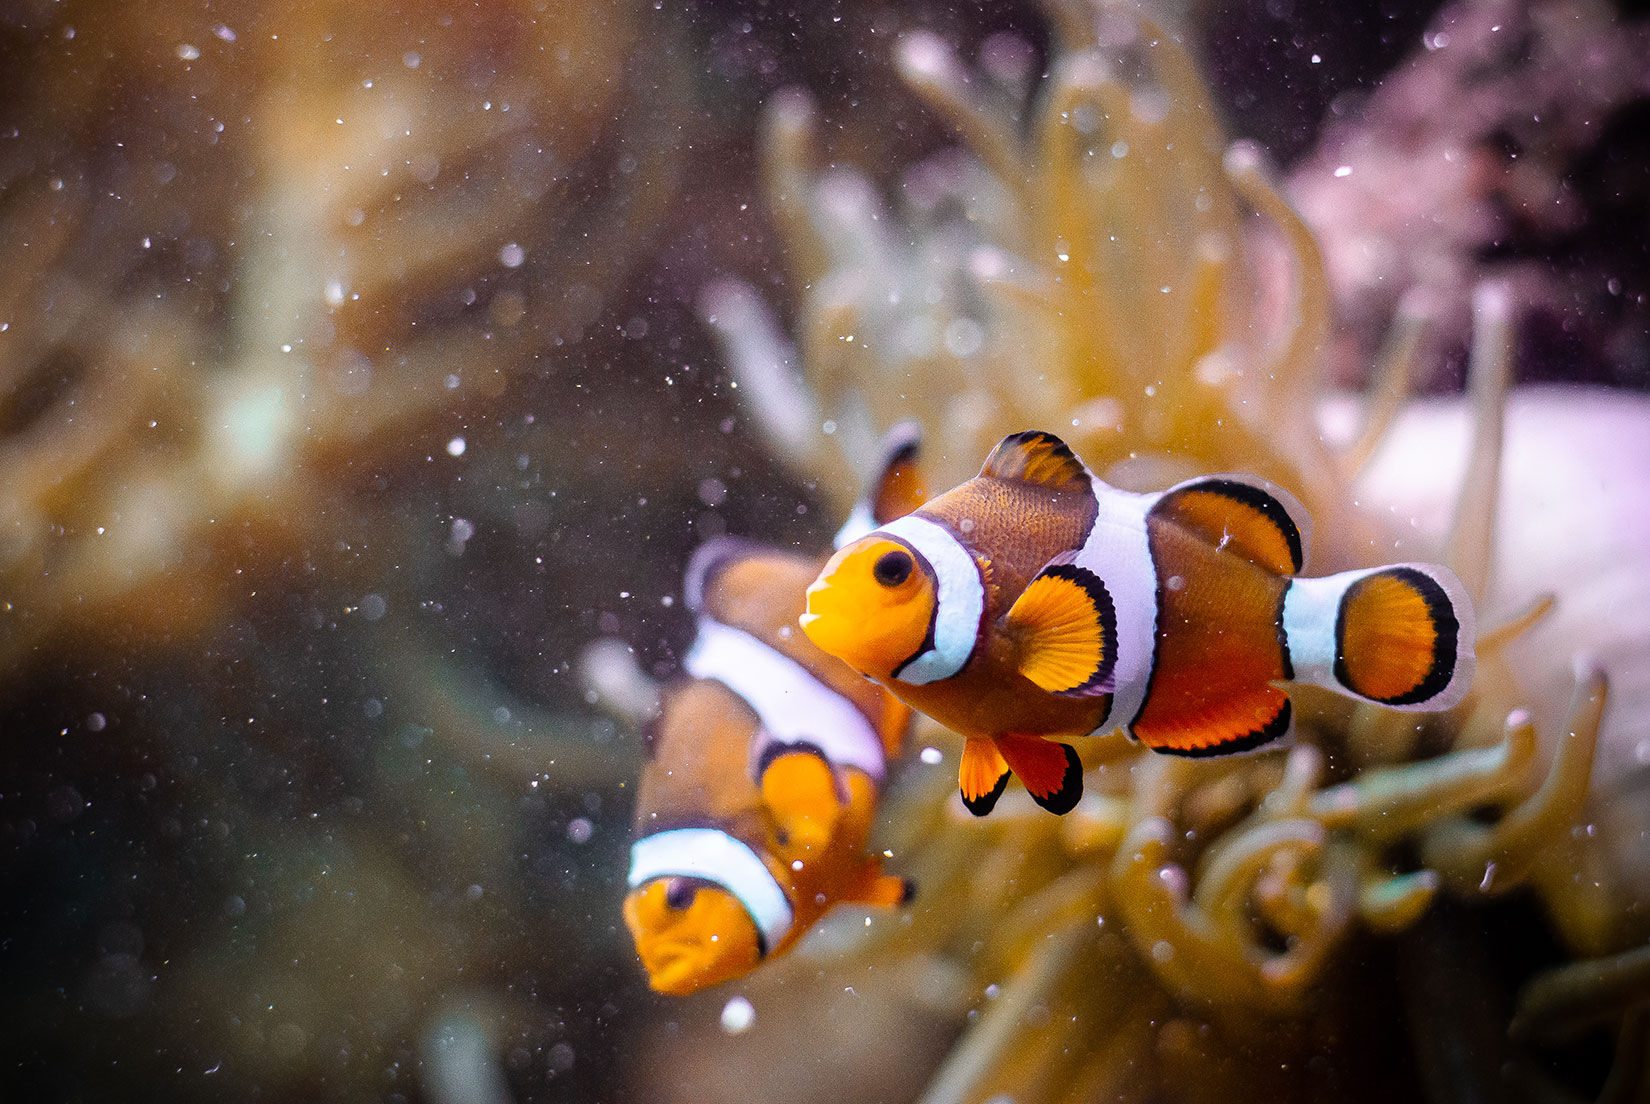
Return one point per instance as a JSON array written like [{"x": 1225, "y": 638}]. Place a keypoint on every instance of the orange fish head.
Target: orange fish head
[
  {"x": 872, "y": 606},
  {"x": 690, "y": 935}
]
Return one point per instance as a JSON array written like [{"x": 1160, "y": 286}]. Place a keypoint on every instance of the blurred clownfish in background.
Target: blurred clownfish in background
[
  {"x": 765, "y": 765},
  {"x": 1034, "y": 603}
]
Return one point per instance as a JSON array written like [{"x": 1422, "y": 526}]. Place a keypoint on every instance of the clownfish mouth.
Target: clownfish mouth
[
  {"x": 679, "y": 967},
  {"x": 870, "y": 607},
  {"x": 825, "y": 622}
]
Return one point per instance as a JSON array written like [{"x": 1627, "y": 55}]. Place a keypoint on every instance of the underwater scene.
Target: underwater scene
[{"x": 868, "y": 550}]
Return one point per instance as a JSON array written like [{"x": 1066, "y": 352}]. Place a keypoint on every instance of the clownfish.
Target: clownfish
[
  {"x": 765, "y": 765},
  {"x": 1035, "y": 603}
]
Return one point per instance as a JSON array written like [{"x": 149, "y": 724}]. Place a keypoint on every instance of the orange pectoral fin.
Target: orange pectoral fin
[
  {"x": 799, "y": 789},
  {"x": 983, "y": 775},
  {"x": 1067, "y": 631},
  {"x": 1237, "y": 724},
  {"x": 1051, "y": 772}
]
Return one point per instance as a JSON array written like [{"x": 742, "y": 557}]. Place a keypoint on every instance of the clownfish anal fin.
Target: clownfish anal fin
[
  {"x": 1050, "y": 772},
  {"x": 1034, "y": 456},
  {"x": 872, "y": 887},
  {"x": 1244, "y": 723},
  {"x": 799, "y": 789},
  {"x": 983, "y": 775},
  {"x": 1066, "y": 629},
  {"x": 1245, "y": 515}
]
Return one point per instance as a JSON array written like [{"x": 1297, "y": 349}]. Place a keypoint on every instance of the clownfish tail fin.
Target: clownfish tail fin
[{"x": 1401, "y": 636}]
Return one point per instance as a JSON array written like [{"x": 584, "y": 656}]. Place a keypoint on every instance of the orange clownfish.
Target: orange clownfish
[
  {"x": 765, "y": 766},
  {"x": 1034, "y": 603}
]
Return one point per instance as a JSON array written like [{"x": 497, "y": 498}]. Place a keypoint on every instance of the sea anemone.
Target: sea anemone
[{"x": 1097, "y": 260}]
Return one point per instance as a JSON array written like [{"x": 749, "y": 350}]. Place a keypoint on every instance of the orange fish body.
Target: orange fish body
[
  {"x": 1035, "y": 603},
  {"x": 765, "y": 767}
]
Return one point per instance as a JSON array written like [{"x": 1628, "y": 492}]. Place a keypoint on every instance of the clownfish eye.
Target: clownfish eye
[
  {"x": 679, "y": 893},
  {"x": 893, "y": 568}
]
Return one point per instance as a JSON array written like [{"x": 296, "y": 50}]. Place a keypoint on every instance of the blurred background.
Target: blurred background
[{"x": 352, "y": 382}]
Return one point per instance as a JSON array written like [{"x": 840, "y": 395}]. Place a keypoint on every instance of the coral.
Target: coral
[
  {"x": 1094, "y": 260},
  {"x": 1530, "y": 177}
]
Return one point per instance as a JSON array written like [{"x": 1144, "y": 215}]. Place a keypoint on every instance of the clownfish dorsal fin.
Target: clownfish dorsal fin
[
  {"x": 1066, "y": 627},
  {"x": 895, "y": 489},
  {"x": 710, "y": 560},
  {"x": 1244, "y": 514},
  {"x": 1039, "y": 458}
]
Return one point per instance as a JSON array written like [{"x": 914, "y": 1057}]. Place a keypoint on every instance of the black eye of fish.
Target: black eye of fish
[
  {"x": 679, "y": 893},
  {"x": 893, "y": 568}
]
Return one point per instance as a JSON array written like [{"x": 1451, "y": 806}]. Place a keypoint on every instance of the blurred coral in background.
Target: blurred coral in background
[
  {"x": 308, "y": 449},
  {"x": 354, "y": 382}
]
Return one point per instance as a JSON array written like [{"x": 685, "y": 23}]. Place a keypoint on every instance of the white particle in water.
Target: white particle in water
[
  {"x": 738, "y": 1015},
  {"x": 579, "y": 830},
  {"x": 512, "y": 255},
  {"x": 931, "y": 755},
  {"x": 455, "y": 447},
  {"x": 712, "y": 491},
  {"x": 1344, "y": 170},
  {"x": 188, "y": 52}
]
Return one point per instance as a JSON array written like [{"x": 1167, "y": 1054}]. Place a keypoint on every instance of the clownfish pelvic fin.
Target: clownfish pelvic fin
[
  {"x": 1066, "y": 629},
  {"x": 1401, "y": 636},
  {"x": 982, "y": 775},
  {"x": 1051, "y": 772}
]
